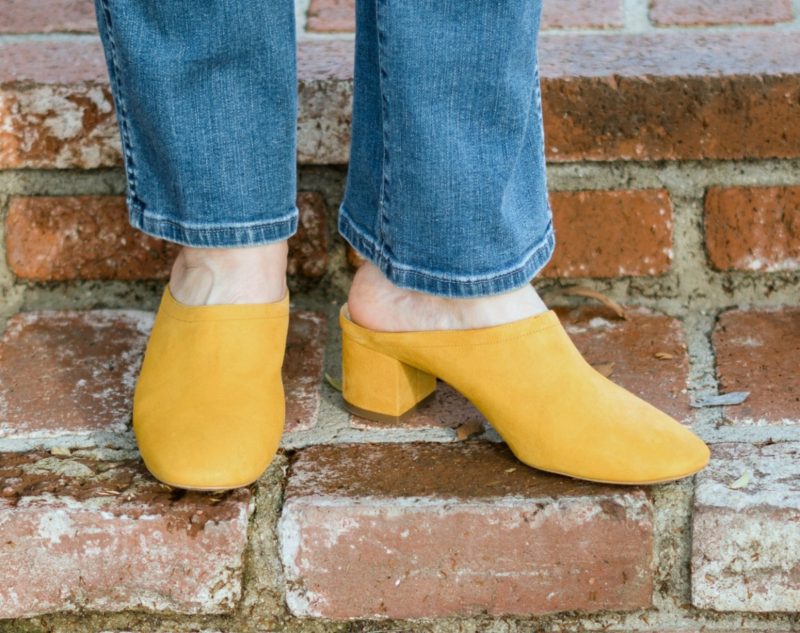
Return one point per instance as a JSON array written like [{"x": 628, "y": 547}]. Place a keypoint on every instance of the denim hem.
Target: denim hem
[
  {"x": 443, "y": 283},
  {"x": 212, "y": 236}
]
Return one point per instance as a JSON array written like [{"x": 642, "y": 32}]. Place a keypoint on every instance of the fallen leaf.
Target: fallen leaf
[
  {"x": 60, "y": 450},
  {"x": 734, "y": 397},
  {"x": 468, "y": 429},
  {"x": 333, "y": 382},
  {"x": 663, "y": 356},
  {"x": 742, "y": 481},
  {"x": 605, "y": 368},
  {"x": 583, "y": 291}
]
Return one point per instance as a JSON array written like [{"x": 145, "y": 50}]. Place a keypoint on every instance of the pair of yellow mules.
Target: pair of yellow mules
[{"x": 208, "y": 407}]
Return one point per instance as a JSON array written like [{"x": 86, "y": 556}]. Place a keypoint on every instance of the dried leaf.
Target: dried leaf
[
  {"x": 727, "y": 399},
  {"x": 468, "y": 429},
  {"x": 108, "y": 493},
  {"x": 60, "y": 450},
  {"x": 663, "y": 356},
  {"x": 605, "y": 368},
  {"x": 333, "y": 382},
  {"x": 583, "y": 291},
  {"x": 742, "y": 481}
]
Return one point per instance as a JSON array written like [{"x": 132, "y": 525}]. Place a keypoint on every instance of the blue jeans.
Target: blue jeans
[{"x": 446, "y": 188}]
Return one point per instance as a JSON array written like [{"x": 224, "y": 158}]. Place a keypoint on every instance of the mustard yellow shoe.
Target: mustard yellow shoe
[
  {"x": 553, "y": 409},
  {"x": 208, "y": 406}
]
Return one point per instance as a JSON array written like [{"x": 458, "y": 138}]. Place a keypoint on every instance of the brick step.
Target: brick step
[
  {"x": 676, "y": 95},
  {"x": 372, "y": 524}
]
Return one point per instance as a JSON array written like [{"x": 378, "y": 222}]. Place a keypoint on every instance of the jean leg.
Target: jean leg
[
  {"x": 447, "y": 189},
  {"x": 206, "y": 101}
]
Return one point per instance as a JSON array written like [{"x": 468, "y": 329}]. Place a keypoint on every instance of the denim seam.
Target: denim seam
[
  {"x": 114, "y": 75},
  {"x": 383, "y": 219},
  {"x": 263, "y": 232},
  {"x": 430, "y": 281}
]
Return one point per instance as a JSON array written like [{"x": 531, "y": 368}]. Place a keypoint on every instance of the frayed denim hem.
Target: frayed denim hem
[
  {"x": 212, "y": 236},
  {"x": 444, "y": 284}
]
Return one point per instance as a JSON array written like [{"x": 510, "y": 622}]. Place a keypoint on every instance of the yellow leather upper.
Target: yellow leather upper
[{"x": 208, "y": 407}]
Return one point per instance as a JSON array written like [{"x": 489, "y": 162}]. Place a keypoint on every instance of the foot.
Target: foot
[
  {"x": 249, "y": 274},
  {"x": 376, "y": 303}
]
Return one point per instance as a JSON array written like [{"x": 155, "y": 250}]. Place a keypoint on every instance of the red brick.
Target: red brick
[
  {"x": 308, "y": 248},
  {"x": 753, "y": 228},
  {"x": 69, "y": 373},
  {"x": 708, "y": 12},
  {"x": 438, "y": 530},
  {"x": 582, "y": 14},
  {"x": 671, "y": 95},
  {"x": 631, "y": 345},
  {"x": 667, "y": 95},
  {"x": 758, "y": 351},
  {"x": 57, "y": 238},
  {"x": 67, "y": 377},
  {"x": 745, "y": 539},
  {"x": 329, "y": 16},
  {"x": 46, "y": 16},
  {"x": 79, "y": 533},
  {"x": 611, "y": 233},
  {"x": 303, "y": 367}
]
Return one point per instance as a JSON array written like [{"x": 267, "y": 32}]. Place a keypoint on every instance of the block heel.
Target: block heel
[{"x": 381, "y": 388}]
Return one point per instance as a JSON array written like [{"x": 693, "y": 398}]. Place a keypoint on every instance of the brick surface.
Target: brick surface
[
  {"x": 603, "y": 338},
  {"x": 582, "y": 14},
  {"x": 758, "y": 351},
  {"x": 330, "y": 16},
  {"x": 79, "y": 533},
  {"x": 745, "y": 539},
  {"x": 707, "y": 12},
  {"x": 308, "y": 248},
  {"x": 388, "y": 531},
  {"x": 666, "y": 95},
  {"x": 67, "y": 377},
  {"x": 57, "y": 238},
  {"x": 70, "y": 373},
  {"x": 47, "y": 16},
  {"x": 753, "y": 228},
  {"x": 611, "y": 233},
  {"x": 303, "y": 367}
]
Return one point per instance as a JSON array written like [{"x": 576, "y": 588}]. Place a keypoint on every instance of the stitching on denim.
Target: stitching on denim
[
  {"x": 114, "y": 73},
  {"x": 365, "y": 239},
  {"x": 383, "y": 219}
]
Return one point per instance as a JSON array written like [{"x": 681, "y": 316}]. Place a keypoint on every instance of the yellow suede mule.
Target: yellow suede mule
[
  {"x": 553, "y": 409},
  {"x": 208, "y": 407}
]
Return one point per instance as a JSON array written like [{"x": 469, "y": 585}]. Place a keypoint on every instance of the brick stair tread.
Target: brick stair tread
[{"x": 665, "y": 95}]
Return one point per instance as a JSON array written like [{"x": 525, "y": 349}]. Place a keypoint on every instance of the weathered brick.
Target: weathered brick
[
  {"x": 302, "y": 368},
  {"x": 308, "y": 248},
  {"x": 70, "y": 373},
  {"x": 582, "y": 14},
  {"x": 56, "y": 238},
  {"x": 707, "y": 12},
  {"x": 80, "y": 533},
  {"x": 67, "y": 377},
  {"x": 758, "y": 351},
  {"x": 745, "y": 538},
  {"x": 388, "y": 531},
  {"x": 602, "y": 338},
  {"x": 667, "y": 95},
  {"x": 329, "y": 16},
  {"x": 611, "y": 233},
  {"x": 46, "y": 16},
  {"x": 753, "y": 228}
]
